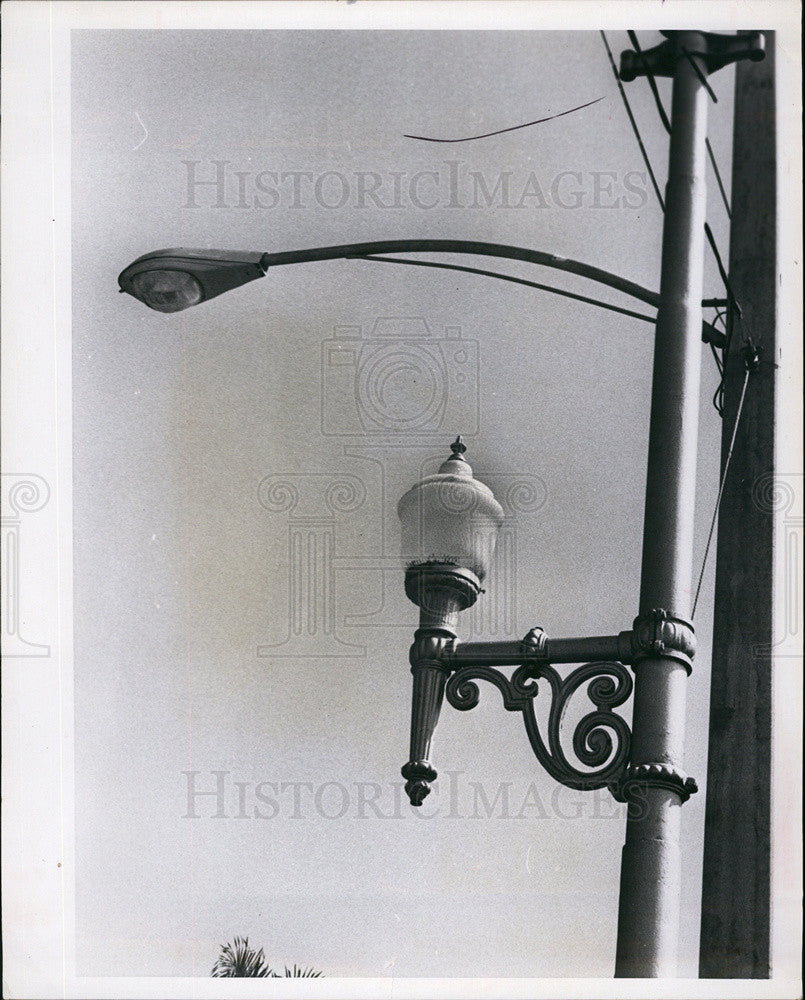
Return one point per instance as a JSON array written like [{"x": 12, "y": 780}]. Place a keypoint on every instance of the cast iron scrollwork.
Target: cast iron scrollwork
[{"x": 601, "y": 738}]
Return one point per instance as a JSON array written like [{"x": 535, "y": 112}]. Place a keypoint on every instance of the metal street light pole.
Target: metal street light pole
[{"x": 651, "y": 880}]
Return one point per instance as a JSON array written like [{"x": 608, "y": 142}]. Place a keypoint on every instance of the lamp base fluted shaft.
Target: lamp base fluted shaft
[{"x": 441, "y": 591}]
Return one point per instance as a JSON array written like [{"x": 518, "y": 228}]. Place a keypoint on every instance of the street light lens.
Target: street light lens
[{"x": 167, "y": 291}]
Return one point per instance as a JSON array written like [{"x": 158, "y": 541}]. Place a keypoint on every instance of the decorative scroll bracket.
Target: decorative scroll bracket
[
  {"x": 601, "y": 739},
  {"x": 443, "y": 667}
]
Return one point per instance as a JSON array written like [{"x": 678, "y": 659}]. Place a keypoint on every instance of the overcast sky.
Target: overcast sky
[{"x": 193, "y": 433}]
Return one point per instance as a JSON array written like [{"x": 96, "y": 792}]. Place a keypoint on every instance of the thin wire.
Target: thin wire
[
  {"x": 733, "y": 311},
  {"x": 727, "y": 317},
  {"x": 513, "y": 128},
  {"x": 717, "y": 359},
  {"x": 721, "y": 269},
  {"x": 633, "y": 122},
  {"x": 702, "y": 78},
  {"x": 651, "y": 81},
  {"x": 733, "y": 307},
  {"x": 667, "y": 124},
  {"x": 718, "y": 395},
  {"x": 733, "y": 316},
  {"x": 717, "y": 172},
  {"x": 508, "y": 277},
  {"x": 719, "y": 318},
  {"x": 721, "y": 487}
]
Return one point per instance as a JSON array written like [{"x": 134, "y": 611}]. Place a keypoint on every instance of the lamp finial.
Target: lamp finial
[{"x": 458, "y": 448}]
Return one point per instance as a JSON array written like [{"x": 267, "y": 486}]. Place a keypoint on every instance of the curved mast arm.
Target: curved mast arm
[{"x": 351, "y": 250}]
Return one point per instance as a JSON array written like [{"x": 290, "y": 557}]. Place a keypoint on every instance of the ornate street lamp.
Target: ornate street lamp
[
  {"x": 450, "y": 520},
  {"x": 450, "y": 523}
]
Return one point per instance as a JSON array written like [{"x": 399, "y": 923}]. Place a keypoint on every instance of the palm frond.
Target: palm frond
[
  {"x": 241, "y": 961},
  {"x": 298, "y": 971}
]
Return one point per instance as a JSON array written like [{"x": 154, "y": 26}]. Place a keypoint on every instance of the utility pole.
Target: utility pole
[
  {"x": 656, "y": 784},
  {"x": 736, "y": 889}
]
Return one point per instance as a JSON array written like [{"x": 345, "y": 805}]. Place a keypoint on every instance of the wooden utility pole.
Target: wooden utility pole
[{"x": 736, "y": 886}]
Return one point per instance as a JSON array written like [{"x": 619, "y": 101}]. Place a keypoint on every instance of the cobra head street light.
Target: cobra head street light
[{"x": 171, "y": 280}]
